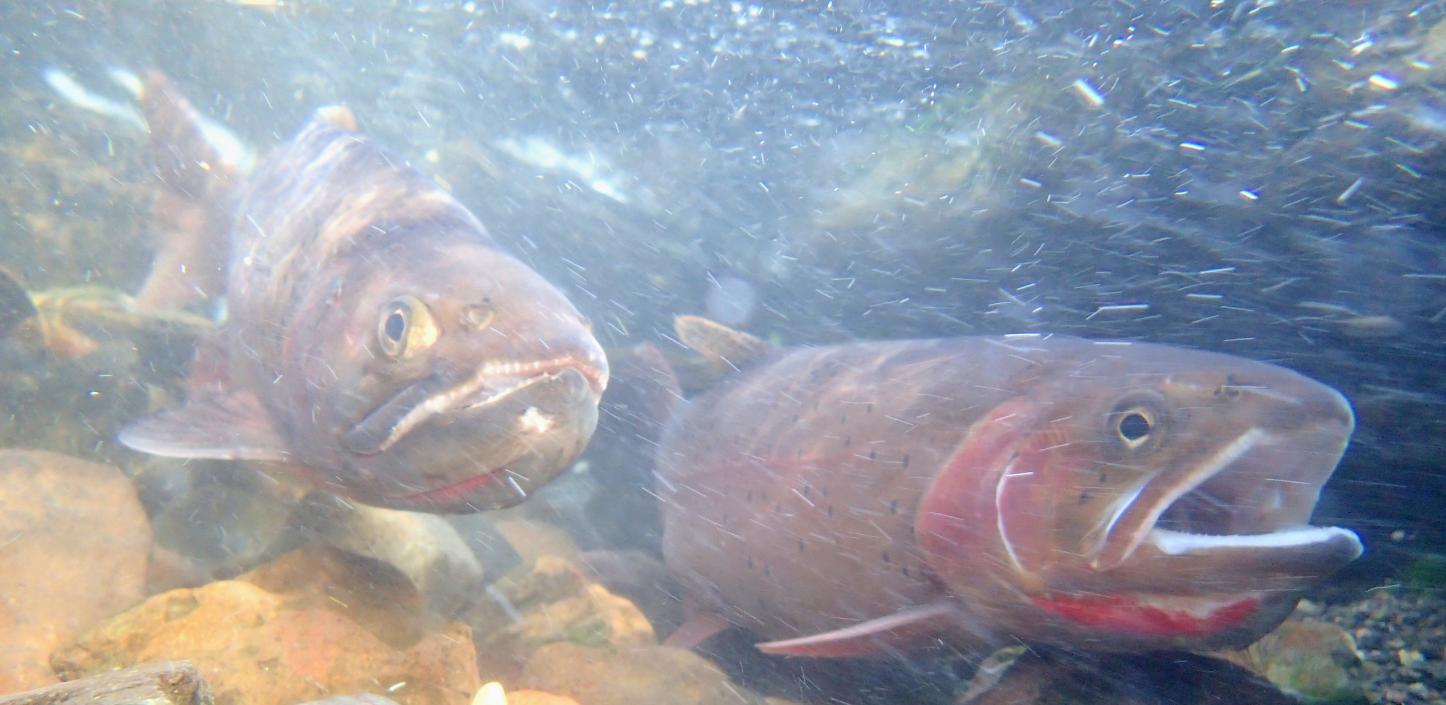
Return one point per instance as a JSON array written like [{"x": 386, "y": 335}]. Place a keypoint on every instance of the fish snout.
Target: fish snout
[{"x": 1296, "y": 404}]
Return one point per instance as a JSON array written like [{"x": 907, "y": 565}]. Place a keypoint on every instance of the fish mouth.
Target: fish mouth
[
  {"x": 490, "y": 385},
  {"x": 1240, "y": 515}
]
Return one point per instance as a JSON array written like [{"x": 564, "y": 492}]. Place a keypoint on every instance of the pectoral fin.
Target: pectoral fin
[
  {"x": 226, "y": 426},
  {"x": 898, "y": 630},
  {"x": 699, "y": 628}
]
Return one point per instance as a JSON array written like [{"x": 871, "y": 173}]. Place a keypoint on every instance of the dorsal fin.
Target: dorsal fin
[
  {"x": 337, "y": 115},
  {"x": 719, "y": 343}
]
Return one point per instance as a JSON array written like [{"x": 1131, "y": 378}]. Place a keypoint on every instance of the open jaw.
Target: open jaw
[
  {"x": 489, "y": 385},
  {"x": 1249, "y": 501},
  {"x": 1215, "y": 548}
]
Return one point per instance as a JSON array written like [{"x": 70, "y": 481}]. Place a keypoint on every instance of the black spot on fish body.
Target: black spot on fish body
[
  {"x": 767, "y": 571},
  {"x": 848, "y": 441},
  {"x": 886, "y": 557},
  {"x": 906, "y": 460},
  {"x": 869, "y": 409},
  {"x": 871, "y": 455},
  {"x": 1084, "y": 497},
  {"x": 843, "y": 419},
  {"x": 893, "y": 506},
  {"x": 800, "y": 545},
  {"x": 750, "y": 562},
  {"x": 829, "y": 511}
]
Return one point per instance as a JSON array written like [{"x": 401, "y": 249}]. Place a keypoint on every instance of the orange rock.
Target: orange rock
[
  {"x": 74, "y": 543},
  {"x": 546, "y": 602},
  {"x": 309, "y": 625},
  {"x": 537, "y": 697},
  {"x": 631, "y": 675}
]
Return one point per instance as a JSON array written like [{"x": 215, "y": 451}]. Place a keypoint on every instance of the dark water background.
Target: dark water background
[{"x": 1259, "y": 178}]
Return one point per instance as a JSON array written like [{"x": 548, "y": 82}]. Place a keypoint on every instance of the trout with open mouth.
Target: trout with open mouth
[
  {"x": 377, "y": 340},
  {"x": 858, "y": 498}
]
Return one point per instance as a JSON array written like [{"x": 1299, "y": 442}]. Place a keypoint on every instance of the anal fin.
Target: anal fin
[
  {"x": 700, "y": 627},
  {"x": 221, "y": 425},
  {"x": 896, "y": 631}
]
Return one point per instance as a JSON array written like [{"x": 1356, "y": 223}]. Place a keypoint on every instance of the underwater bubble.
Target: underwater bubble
[{"x": 731, "y": 301}]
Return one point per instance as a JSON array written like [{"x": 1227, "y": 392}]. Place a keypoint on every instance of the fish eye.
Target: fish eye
[
  {"x": 1134, "y": 427},
  {"x": 1137, "y": 422},
  {"x": 405, "y": 328}
]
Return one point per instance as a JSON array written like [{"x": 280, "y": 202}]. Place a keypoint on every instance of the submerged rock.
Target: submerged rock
[
  {"x": 1313, "y": 660},
  {"x": 214, "y": 519},
  {"x": 162, "y": 683},
  {"x": 423, "y": 547},
  {"x": 631, "y": 675},
  {"x": 73, "y": 551},
  {"x": 225, "y": 519},
  {"x": 1019, "y": 677},
  {"x": 550, "y": 601},
  {"x": 493, "y": 694},
  {"x": 359, "y": 699},
  {"x": 310, "y": 624}
]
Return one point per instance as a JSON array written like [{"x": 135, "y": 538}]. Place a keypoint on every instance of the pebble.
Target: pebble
[{"x": 1401, "y": 637}]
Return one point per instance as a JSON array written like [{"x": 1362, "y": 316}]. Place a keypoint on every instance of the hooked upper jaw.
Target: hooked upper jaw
[
  {"x": 1245, "y": 508},
  {"x": 484, "y": 441}
]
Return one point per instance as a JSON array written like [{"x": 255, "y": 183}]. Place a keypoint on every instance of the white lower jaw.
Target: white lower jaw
[{"x": 1179, "y": 543}]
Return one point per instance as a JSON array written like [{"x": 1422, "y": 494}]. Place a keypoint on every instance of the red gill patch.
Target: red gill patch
[
  {"x": 453, "y": 493},
  {"x": 1122, "y": 614}
]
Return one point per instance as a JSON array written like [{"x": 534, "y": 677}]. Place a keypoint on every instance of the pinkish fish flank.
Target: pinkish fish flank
[{"x": 842, "y": 500}]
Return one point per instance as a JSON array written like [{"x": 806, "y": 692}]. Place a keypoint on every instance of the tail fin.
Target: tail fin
[{"x": 198, "y": 163}]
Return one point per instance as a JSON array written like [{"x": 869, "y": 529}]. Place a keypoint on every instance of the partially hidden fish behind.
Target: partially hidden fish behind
[
  {"x": 376, "y": 339},
  {"x": 854, "y": 499}
]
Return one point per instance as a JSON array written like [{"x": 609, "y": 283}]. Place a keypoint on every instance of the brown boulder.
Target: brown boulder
[
  {"x": 645, "y": 674},
  {"x": 74, "y": 543},
  {"x": 546, "y": 602},
  {"x": 309, "y": 625}
]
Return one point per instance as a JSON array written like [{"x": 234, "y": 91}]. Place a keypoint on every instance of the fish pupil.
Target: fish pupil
[
  {"x": 1135, "y": 426},
  {"x": 396, "y": 325}
]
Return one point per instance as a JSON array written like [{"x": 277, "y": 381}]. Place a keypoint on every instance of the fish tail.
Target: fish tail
[
  {"x": 194, "y": 156},
  {"x": 198, "y": 162}
]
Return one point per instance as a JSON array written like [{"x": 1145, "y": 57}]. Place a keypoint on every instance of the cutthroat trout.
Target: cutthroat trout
[
  {"x": 843, "y": 500},
  {"x": 377, "y": 340}
]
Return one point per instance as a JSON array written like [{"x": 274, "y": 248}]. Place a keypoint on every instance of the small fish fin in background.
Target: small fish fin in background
[
  {"x": 197, "y": 169},
  {"x": 60, "y": 322},
  {"x": 718, "y": 342},
  {"x": 338, "y": 116},
  {"x": 225, "y": 426},
  {"x": 197, "y": 162},
  {"x": 16, "y": 306}
]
